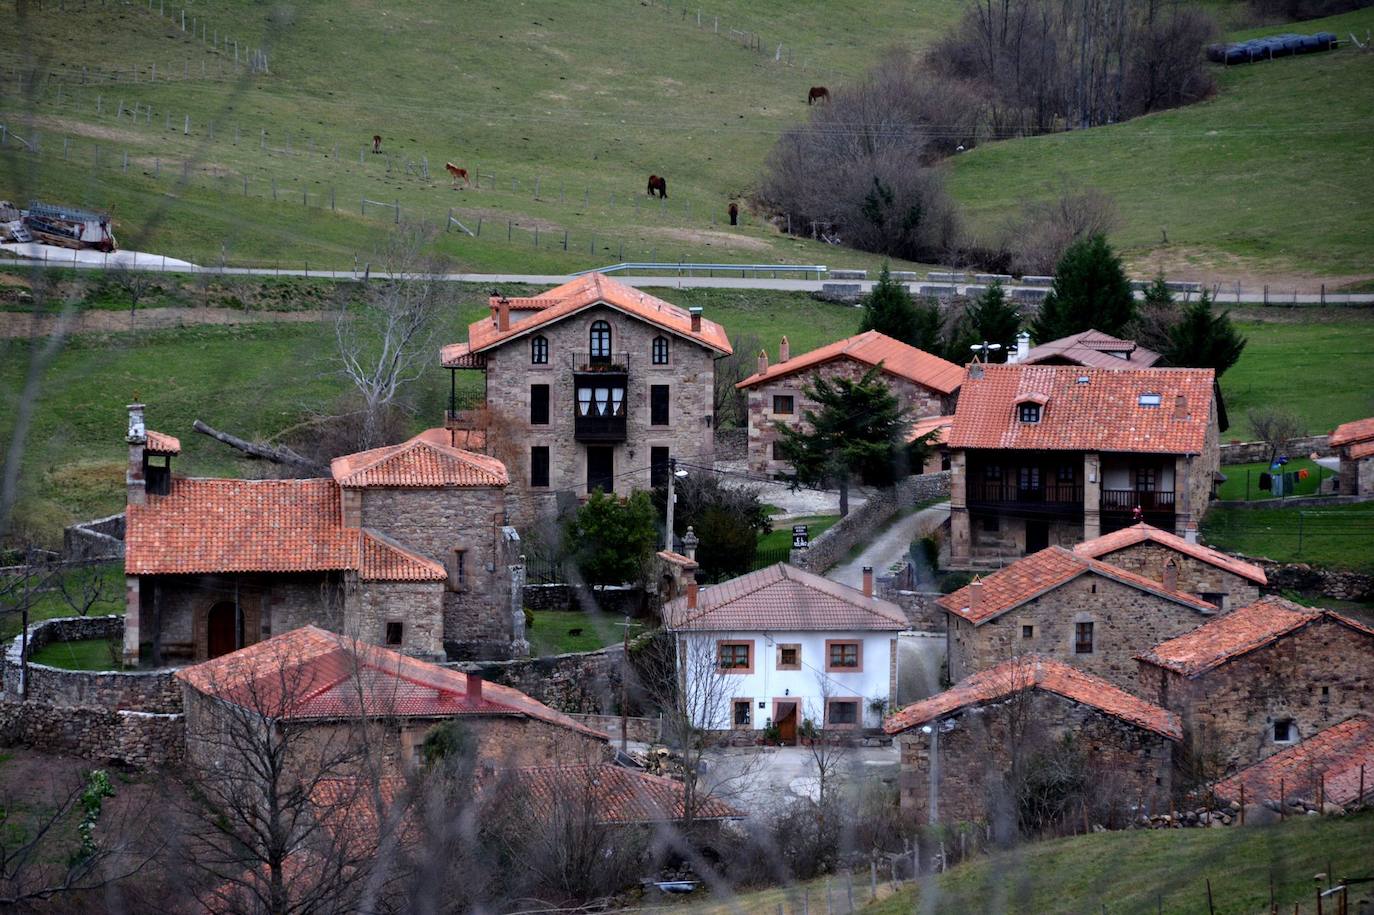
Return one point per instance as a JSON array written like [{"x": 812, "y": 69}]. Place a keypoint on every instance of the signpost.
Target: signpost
[{"x": 800, "y": 538}]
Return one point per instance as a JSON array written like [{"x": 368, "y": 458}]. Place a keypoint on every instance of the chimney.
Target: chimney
[
  {"x": 137, "y": 437},
  {"x": 503, "y": 314},
  {"x": 1190, "y": 532},
  {"x": 689, "y": 543},
  {"x": 1180, "y": 407},
  {"x": 1023, "y": 347},
  {"x": 868, "y": 581},
  {"x": 1171, "y": 575},
  {"x": 695, "y": 312},
  {"x": 975, "y": 596},
  {"x": 763, "y": 361},
  {"x": 784, "y": 349},
  {"x": 692, "y": 595},
  {"x": 474, "y": 693}
]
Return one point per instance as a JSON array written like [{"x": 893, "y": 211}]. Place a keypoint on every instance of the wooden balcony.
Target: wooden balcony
[
  {"x": 1150, "y": 502},
  {"x": 1049, "y": 498},
  {"x": 602, "y": 429}
]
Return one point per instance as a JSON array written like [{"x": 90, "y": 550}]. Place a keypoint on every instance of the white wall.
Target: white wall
[{"x": 766, "y": 683}]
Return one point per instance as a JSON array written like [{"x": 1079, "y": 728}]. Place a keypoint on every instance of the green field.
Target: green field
[
  {"x": 48, "y": 601},
  {"x": 86, "y": 654},
  {"x": 1334, "y": 536},
  {"x": 553, "y": 631},
  {"x": 1242, "y": 480}
]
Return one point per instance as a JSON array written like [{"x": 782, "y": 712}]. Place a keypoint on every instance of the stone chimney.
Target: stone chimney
[
  {"x": 695, "y": 312},
  {"x": 763, "y": 361},
  {"x": 1181, "y": 407},
  {"x": 692, "y": 594},
  {"x": 868, "y": 581},
  {"x": 975, "y": 596},
  {"x": 474, "y": 693},
  {"x": 784, "y": 349},
  {"x": 503, "y": 314},
  {"x": 690, "y": 543},
  {"x": 1171, "y": 575},
  {"x": 1023, "y": 347},
  {"x": 1190, "y": 532},
  {"x": 134, "y": 482}
]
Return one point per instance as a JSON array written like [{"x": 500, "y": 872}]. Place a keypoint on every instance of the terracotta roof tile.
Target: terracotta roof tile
[
  {"x": 1102, "y": 413},
  {"x": 584, "y": 292},
  {"x": 1330, "y": 759},
  {"x": 382, "y": 559},
  {"x": 427, "y": 460},
  {"x": 1102, "y": 547},
  {"x": 1042, "y": 572},
  {"x": 619, "y": 796},
  {"x": 161, "y": 443},
  {"x": 1037, "y": 672},
  {"x": 1361, "y": 450},
  {"x": 1237, "y": 633},
  {"x": 1093, "y": 348},
  {"x": 937, "y": 424},
  {"x": 309, "y": 673},
  {"x": 1358, "y": 431},
  {"x": 783, "y": 597},
  {"x": 872, "y": 348}
]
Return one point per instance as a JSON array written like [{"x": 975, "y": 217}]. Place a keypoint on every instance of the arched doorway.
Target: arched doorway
[{"x": 221, "y": 631}]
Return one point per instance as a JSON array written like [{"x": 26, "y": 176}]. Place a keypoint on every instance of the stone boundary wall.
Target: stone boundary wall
[
  {"x": 862, "y": 522},
  {"x": 1302, "y": 502},
  {"x": 146, "y": 740},
  {"x": 616, "y": 599},
  {"x": 640, "y": 730},
  {"x": 920, "y": 607},
  {"x": 102, "y": 538},
  {"x": 1250, "y": 452},
  {"x": 578, "y": 683},
  {"x": 1335, "y": 583},
  {"x": 154, "y": 691}
]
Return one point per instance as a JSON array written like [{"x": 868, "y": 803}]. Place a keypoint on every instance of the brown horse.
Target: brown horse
[
  {"x": 457, "y": 173},
  {"x": 376, "y": 142},
  {"x": 734, "y": 214},
  {"x": 817, "y": 94},
  {"x": 659, "y": 185}
]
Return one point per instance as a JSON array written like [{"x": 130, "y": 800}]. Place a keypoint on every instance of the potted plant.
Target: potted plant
[
  {"x": 771, "y": 734},
  {"x": 807, "y": 732}
]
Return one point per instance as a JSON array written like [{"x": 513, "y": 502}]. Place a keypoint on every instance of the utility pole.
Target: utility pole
[
  {"x": 672, "y": 497},
  {"x": 625, "y": 685}
]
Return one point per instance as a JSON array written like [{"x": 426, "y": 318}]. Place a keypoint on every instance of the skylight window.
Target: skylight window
[
  {"x": 1082, "y": 379},
  {"x": 1149, "y": 400}
]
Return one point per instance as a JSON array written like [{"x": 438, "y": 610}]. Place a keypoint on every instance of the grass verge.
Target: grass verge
[
  {"x": 1335, "y": 536},
  {"x": 562, "y": 631}
]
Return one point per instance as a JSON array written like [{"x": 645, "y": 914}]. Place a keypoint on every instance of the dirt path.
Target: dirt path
[{"x": 101, "y": 321}]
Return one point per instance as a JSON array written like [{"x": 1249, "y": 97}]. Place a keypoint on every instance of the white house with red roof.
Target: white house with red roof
[
  {"x": 404, "y": 546},
  {"x": 590, "y": 385},
  {"x": 781, "y": 646},
  {"x": 925, "y": 385}
]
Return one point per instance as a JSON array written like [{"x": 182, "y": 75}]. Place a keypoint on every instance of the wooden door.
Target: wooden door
[
  {"x": 601, "y": 468},
  {"x": 787, "y": 723},
  {"x": 221, "y": 630}
]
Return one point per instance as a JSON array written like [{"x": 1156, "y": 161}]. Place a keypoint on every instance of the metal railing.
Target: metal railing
[
  {"x": 1127, "y": 499},
  {"x": 685, "y": 268}
]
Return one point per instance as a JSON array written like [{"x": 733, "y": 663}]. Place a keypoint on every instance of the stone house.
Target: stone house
[
  {"x": 1021, "y": 707},
  {"x": 1051, "y": 455},
  {"x": 1332, "y": 767},
  {"x": 781, "y": 646},
  {"x": 1262, "y": 678},
  {"x": 1180, "y": 563},
  {"x": 1354, "y": 444},
  {"x": 332, "y": 690},
  {"x": 1086, "y": 348},
  {"x": 925, "y": 385},
  {"x": 590, "y": 385},
  {"x": 404, "y": 546},
  {"x": 1057, "y": 604}
]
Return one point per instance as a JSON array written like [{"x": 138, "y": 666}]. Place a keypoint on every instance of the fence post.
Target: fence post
[
  {"x": 398, "y": 212},
  {"x": 1300, "y": 514}
]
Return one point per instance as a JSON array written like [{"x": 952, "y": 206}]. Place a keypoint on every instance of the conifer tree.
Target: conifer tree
[
  {"x": 1090, "y": 291},
  {"x": 1203, "y": 339}
]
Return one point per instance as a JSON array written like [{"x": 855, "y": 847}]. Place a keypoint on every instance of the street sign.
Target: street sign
[{"x": 801, "y": 540}]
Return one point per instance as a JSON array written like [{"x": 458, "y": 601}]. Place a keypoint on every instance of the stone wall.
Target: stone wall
[
  {"x": 415, "y": 605},
  {"x": 861, "y": 523},
  {"x": 102, "y": 538},
  {"x": 139, "y": 690},
  {"x": 619, "y": 600},
  {"x": 1316, "y": 677},
  {"x": 1252, "y": 452},
  {"x": 585, "y": 683},
  {"x": 640, "y": 730},
  {"x": 921, "y": 610},
  {"x": 145, "y": 740},
  {"x": 1194, "y": 576},
  {"x": 1335, "y": 583}
]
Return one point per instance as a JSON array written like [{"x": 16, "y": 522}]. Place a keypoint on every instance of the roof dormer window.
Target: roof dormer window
[
  {"x": 1028, "y": 412},
  {"x": 1149, "y": 400}
]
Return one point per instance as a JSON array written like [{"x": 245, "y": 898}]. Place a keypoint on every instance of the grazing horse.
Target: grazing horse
[
  {"x": 817, "y": 94},
  {"x": 457, "y": 173},
  {"x": 376, "y": 142},
  {"x": 658, "y": 184},
  {"x": 734, "y": 214}
]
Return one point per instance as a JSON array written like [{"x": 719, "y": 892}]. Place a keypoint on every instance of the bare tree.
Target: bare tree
[
  {"x": 384, "y": 342},
  {"x": 1039, "y": 235},
  {"x": 82, "y": 589},
  {"x": 1276, "y": 427},
  {"x": 133, "y": 283},
  {"x": 731, "y": 405}
]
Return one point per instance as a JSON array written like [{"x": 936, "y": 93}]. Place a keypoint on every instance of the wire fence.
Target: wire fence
[{"x": 1338, "y": 537}]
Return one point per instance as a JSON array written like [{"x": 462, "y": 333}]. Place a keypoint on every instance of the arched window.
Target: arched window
[
  {"x": 660, "y": 350},
  {"x": 600, "y": 342},
  {"x": 539, "y": 350}
]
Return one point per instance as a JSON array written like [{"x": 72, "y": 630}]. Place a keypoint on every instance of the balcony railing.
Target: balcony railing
[
  {"x": 610, "y": 364},
  {"x": 595, "y": 428},
  {"x": 1049, "y": 494},
  {"x": 1125, "y": 500},
  {"x": 466, "y": 419}
]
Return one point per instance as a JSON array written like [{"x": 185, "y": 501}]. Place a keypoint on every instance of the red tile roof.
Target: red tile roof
[
  {"x": 940, "y": 425},
  {"x": 1102, "y": 547},
  {"x": 783, "y": 597},
  {"x": 1093, "y": 348},
  {"x": 1331, "y": 759},
  {"x": 1237, "y": 633},
  {"x": 577, "y": 295},
  {"x": 1102, "y": 413},
  {"x": 1360, "y": 430},
  {"x": 161, "y": 443},
  {"x": 871, "y": 348},
  {"x": 1037, "y": 672},
  {"x": 618, "y": 796},
  {"x": 1361, "y": 450},
  {"x": 1042, "y": 572},
  {"x": 427, "y": 460},
  {"x": 309, "y": 673},
  {"x": 383, "y": 559}
]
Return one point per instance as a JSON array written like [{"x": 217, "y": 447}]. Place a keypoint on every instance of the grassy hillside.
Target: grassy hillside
[
  {"x": 578, "y": 101},
  {"x": 1267, "y": 181}
]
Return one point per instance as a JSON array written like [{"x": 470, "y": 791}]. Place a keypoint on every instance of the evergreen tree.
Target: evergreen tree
[
  {"x": 990, "y": 319},
  {"x": 889, "y": 310},
  {"x": 927, "y": 326},
  {"x": 1204, "y": 340},
  {"x": 613, "y": 538},
  {"x": 856, "y": 432},
  {"x": 1090, "y": 291},
  {"x": 1157, "y": 315}
]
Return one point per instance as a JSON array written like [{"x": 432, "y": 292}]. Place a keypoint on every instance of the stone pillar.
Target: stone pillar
[
  {"x": 520, "y": 647},
  {"x": 1183, "y": 493},
  {"x": 960, "y": 538},
  {"x": 892, "y": 679},
  {"x": 131, "y": 619},
  {"x": 137, "y": 438},
  {"x": 1092, "y": 495}
]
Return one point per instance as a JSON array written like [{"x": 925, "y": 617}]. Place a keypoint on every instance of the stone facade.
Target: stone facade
[
  {"x": 689, "y": 375},
  {"x": 917, "y": 399},
  {"x": 1356, "y": 475},
  {"x": 1213, "y": 584},
  {"x": 1130, "y": 765},
  {"x": 1315, "y": 677},
  {"x": 416, "y": 607},
  {"x": 1126, "y": 621}
]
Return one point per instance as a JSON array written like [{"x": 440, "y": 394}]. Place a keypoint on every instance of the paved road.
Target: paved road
[{"x": 889, "y": 546}]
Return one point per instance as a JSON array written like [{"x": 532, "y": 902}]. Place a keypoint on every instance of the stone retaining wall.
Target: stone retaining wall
[
  {"x": 620, "y": 600},
  {"x": 1298, "y": 576},
  {"x": 581, "y": 683},
  {"x": 920, "y": 607},
  {"x": 862, "y": 522},
  {"x": 144, "y": 740},
  {"x": 1250, "y": 452},
  {"x": 140, "y": 690},
  {"x": 640, "y": 730},
  {"x": 102, "y": 538}
]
